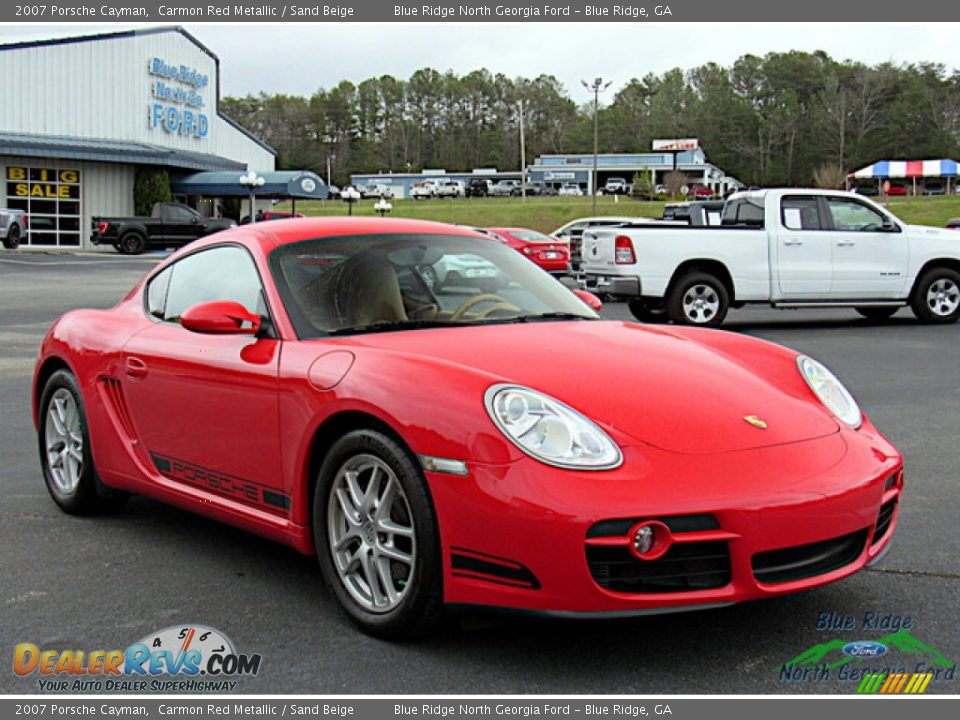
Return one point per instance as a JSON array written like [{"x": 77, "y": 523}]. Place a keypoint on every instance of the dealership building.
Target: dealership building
[
  {"x": 82, "y": 115},
  {"x": 578, "y": 169}
]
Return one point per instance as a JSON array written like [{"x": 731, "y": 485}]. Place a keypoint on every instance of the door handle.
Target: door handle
[
  {"x": 793, "y": 242},
  {"x": 846, "y": 243},
  {"x": 136, "y": 368}
]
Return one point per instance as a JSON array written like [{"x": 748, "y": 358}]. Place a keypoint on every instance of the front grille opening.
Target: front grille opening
[
  {"x": 683, "y": 568},
  {"x": 884, "y": 518},
  {"x": 804, "y": 561}
]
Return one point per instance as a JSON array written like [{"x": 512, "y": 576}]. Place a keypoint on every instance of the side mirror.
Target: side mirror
[
  {"x": 589, "y": 299},
  {"x": 222, "y": 317},
  {"x": 889, "y": 225}
]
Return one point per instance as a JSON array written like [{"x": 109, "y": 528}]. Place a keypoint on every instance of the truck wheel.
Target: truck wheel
[
  {"x": 132, "y": 244},
  {"x": 643, "y": 311},
  {"x": 877, "y": 313},
  {"x": 936, "y": 296},
  {"x": 12, "y": 241},
  {"x": 698, "y": 299}
]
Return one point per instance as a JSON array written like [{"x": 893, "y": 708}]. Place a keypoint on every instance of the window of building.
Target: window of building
[{"x": 51, "y": 199}]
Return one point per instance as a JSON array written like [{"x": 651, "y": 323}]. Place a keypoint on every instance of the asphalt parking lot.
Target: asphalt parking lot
[{"x": 105, "y": 582}]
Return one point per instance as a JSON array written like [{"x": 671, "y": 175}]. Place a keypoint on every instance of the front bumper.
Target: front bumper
[
  {"x": 522, "y": 535},
  {"x": 611, "y": 284}
]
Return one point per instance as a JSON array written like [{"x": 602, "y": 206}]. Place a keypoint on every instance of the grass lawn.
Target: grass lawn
[{"x": 548, "y": 213}]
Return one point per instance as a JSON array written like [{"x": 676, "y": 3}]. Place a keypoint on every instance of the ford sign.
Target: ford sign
[{"x": 864, "y": 648}]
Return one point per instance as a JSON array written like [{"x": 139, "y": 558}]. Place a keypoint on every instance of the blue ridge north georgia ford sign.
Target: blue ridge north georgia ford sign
[{"x": 178, "y": 103}]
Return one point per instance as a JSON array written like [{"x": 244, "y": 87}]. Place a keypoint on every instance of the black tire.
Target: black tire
[
  {"x": 643, "y": 311},
  {"x": 877, "y": 312},
  {"x": 703, "y": 287},
  {"x": 420, "y": 607},
  {"x": 12, "y": 241},
  {"x": 132, "y": 243},
  {"x": 924, "y": 300},
  {"x": 89, "y": 496}
]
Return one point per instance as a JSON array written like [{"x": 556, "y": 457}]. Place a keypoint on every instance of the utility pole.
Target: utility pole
[
  {"x": 523, "y": 158},
  {"x": 597, "y": 87}
]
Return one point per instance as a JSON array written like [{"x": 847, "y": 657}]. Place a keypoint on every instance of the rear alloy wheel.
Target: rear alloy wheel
[
  {"x": 936, "y": 296},
  {"x": 65, "y": 451},
  {"x": 877, "y": 312},
  {"x": 376, "y": 536},
  {"x": 643, "y": 311},
  {"x": 698, "y": 299},
  {"x": 132, "y": 244},
  {"x": 12, "y": 241}
]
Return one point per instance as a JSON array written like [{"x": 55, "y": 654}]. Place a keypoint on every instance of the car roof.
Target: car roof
[{"x": 276, "y": 233}]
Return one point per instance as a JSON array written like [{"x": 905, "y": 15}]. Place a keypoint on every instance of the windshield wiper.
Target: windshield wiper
[
  {"x": 558, "y": 315},
  {"x": 388, "y": 325}
]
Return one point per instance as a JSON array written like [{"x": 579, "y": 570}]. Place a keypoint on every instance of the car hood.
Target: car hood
[
  {"x": 934, "y": 232},
  {"x": 658, "y": 386}
]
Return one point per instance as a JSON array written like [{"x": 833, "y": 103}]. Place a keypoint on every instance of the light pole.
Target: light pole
[
  {"x": 523, "y": 158},
  {"x": 252, "y": 181},
  {"x": 350, "y": 196},
  {"x": 597, "y": 87}
]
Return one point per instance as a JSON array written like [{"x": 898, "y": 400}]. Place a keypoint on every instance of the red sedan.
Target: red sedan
[
  {"x": 551, "y": 254},
  {"x": 302, "y": 380}
]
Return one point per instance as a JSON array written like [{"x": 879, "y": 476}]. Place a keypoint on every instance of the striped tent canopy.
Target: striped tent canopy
[{"x": 908, "y": 169}]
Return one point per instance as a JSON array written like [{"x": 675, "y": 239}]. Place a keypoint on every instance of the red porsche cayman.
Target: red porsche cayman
[{"x": 457, "y": 446}]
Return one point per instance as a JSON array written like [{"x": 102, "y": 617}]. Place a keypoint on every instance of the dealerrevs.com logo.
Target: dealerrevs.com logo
[{"x": 190, "y": 658}]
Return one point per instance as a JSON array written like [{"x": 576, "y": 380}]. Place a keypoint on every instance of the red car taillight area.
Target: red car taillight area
[
  {"x": 623, "y": 251},
  {"x": 102, "y": 227}
]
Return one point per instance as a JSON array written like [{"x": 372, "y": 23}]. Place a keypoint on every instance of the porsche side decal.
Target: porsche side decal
[{"x": 220, "y": 483}]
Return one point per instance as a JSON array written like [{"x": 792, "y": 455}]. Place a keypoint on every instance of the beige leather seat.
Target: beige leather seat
[{"x": 359, "y": 291}]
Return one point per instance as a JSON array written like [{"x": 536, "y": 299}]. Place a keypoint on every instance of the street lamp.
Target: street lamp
[
  {"x": 350, "y": 196},
  {"x": 252, "y": 181},
  {"x": 597, "y": 87}
]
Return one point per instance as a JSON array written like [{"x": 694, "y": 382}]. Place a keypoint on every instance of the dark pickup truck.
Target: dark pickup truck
[{"x": 170, "y": 224}]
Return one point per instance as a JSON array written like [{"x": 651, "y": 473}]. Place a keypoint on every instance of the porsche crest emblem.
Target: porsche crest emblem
[{"x": 756, "y": 422}]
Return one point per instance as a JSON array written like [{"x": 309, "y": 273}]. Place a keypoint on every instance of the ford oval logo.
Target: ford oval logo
[{"x": 864, "y": 648}]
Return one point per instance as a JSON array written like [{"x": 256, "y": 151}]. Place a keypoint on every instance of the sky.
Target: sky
[{"x": 298, "y": 59}]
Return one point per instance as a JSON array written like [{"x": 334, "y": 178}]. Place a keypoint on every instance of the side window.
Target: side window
[
  {"x": 800, "y": 213},
  {"x": 176, "y": 213},
  {"x": 221, "y": 273},
  {"x": 157, "y": 293},
  {"x": 743, "y": 212},
  {"x": 849, "y": 215}
]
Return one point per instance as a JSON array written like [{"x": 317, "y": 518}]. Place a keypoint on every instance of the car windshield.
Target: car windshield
[{"x": 376, "y": 283}]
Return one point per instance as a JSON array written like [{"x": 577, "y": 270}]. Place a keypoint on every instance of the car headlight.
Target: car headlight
[
  {"x": 549, "y": 431},
  {"x": 830, "y": 391}
]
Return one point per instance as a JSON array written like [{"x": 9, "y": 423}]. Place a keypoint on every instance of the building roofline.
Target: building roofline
[{"x": 141, "y": 32}]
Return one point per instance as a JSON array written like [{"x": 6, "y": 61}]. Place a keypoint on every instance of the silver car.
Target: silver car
[{"x": 13, "y": 224}]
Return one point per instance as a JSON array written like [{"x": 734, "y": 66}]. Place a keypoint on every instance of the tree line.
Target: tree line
[{"x": 780, "y": 119}]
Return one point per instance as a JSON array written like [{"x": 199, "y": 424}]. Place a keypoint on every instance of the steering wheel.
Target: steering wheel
[{"x": 499, "y": 304}]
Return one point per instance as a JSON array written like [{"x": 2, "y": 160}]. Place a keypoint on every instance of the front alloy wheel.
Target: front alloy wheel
[
  {"x": 936, "y": 298},
  {"x": 376, "y": 535},
  {"x": 371, "y": 533}
]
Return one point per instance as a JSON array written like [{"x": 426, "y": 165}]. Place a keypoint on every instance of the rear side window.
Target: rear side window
[
  {"x": 744, "y": 212},
  {"x": 221, "y": 273},
  {"x": 157, "y": 293},
  {"x": 800, "y": 213}
]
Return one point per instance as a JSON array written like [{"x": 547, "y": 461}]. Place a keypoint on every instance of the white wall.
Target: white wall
[{"x": 102, "y": 89}]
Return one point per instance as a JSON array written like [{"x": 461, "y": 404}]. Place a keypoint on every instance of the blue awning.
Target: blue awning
[
  {"x": 115, "y": 151},
  {"x": 302, "y": 184}
]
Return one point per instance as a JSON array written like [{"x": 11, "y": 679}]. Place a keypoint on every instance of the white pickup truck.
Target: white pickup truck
[{"x": 785, "y": 248}]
